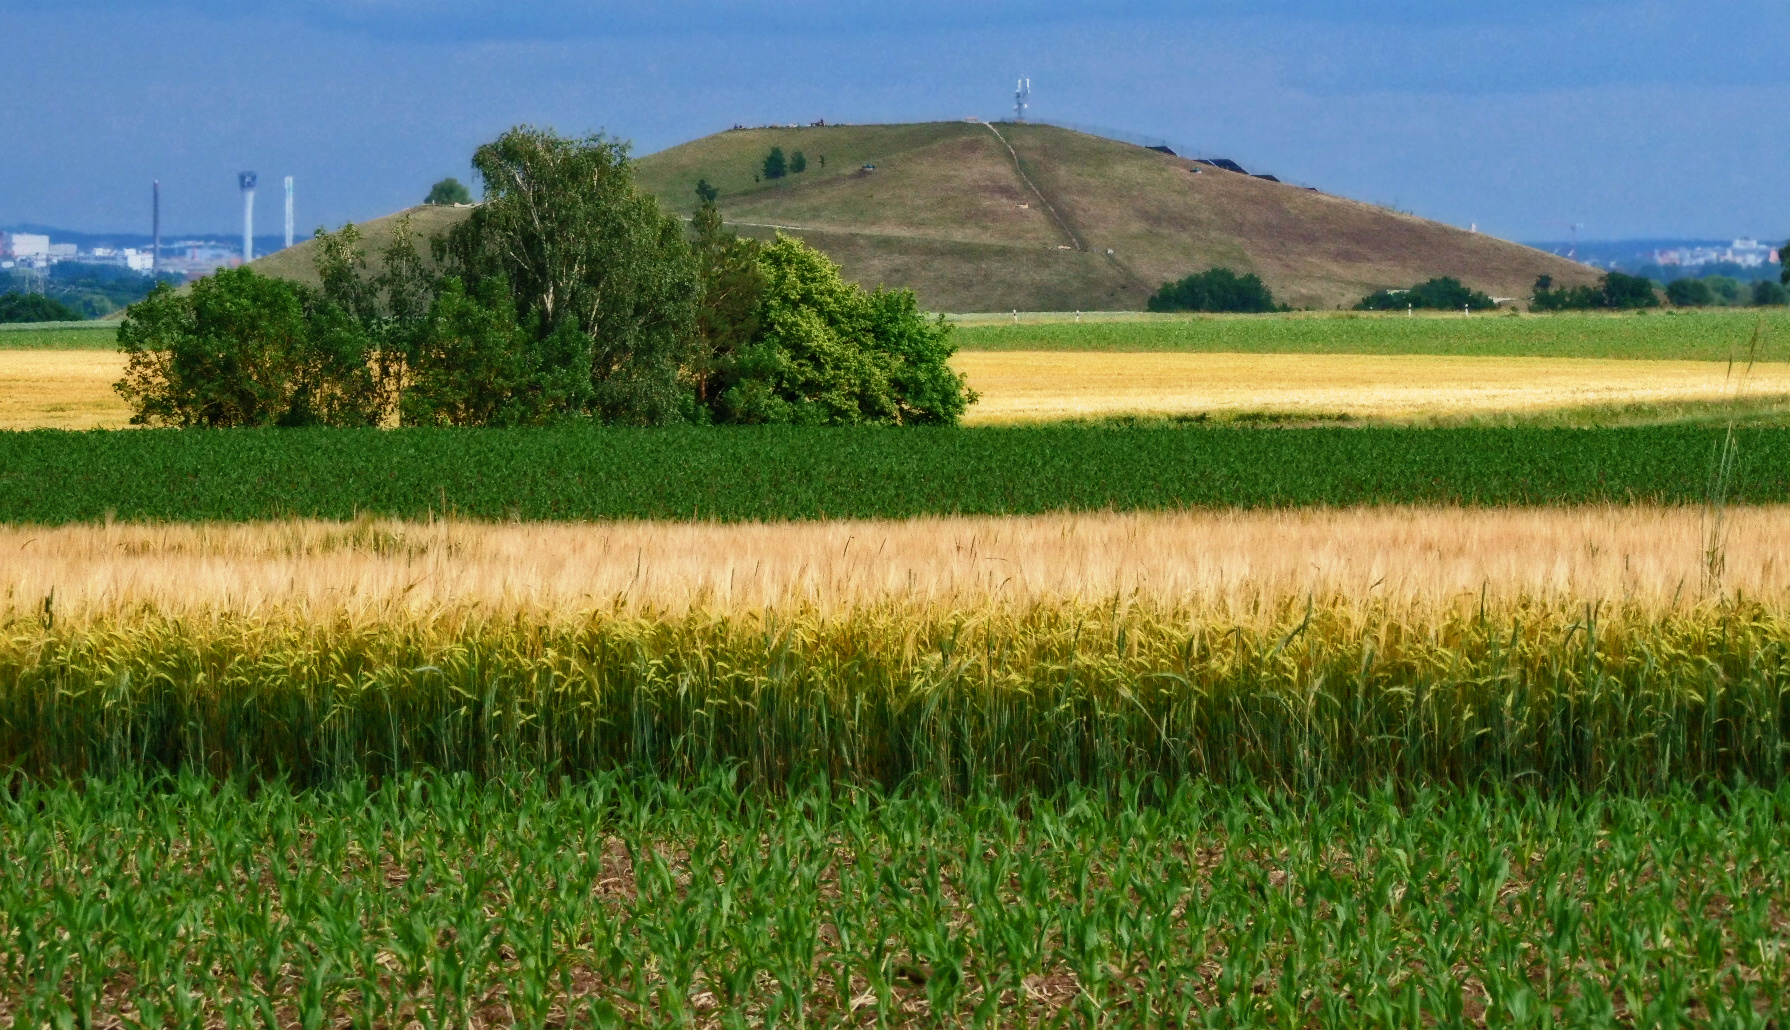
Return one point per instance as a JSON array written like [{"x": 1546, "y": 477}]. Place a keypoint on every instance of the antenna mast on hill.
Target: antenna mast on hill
[{"x": 1022, "y": 99}]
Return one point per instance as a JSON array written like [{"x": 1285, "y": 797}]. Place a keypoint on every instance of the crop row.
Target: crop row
[
  {"x": 1044, "y": 695},
  {"x": 441, "y": 902},
  {"x": 774, "y": 474},
  {"x": 1685, "y": 336}
]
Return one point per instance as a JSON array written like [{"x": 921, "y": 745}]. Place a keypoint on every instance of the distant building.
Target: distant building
[
  {"x": 1747, "y": 253},
  {"x": 63, "y": 252},
  {"x": 24, "y": 245}
]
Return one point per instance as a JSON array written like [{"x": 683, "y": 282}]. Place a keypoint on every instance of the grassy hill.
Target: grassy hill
[{"x": 979, "y": 217}]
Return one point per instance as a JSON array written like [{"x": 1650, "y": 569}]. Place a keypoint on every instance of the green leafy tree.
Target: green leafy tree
[
  {"x": 448, "y": 191},
  {"x": 775, "y": 167},
  {"x": 1615, "y": 290},
  {"x": 1689, "y": 293},
  {"x": 798, "y": 163},
  {"x": 1444, "y": 294},
  {"x": 705, "y": 193},
  {"x": 828, "y": 353},
  {"x": 578, "y": 243},
  {"x": 732, "y": 286},
  {"x": 35, "y": 307},
  {"x": 241, "y": 349},
  {"x": 1767, "y": 293},
  {"x": 1784, "y": 262},
  {"x": 474, "y": 365},
  {"x": 1216, "y": 289}
]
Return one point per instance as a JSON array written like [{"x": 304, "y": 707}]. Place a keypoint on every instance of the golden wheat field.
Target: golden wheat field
[
  {"x": 54, "y": 389},
  {"x": 73, "y": 389},
  {"x": 1022, "y": 386},
  {"x": 1237, "y": 562}
]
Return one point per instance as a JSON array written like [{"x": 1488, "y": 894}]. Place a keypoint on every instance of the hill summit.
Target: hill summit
[{"x": 977, "y": 216}]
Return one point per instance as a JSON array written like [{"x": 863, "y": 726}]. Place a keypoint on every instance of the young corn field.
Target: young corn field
[{"x": 618, "y": 900}]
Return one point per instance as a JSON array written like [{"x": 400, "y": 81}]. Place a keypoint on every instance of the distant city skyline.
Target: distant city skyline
[{"x": 1655, "y": 119}]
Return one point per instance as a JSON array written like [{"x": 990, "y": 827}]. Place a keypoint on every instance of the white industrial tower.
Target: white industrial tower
[
  {"x": 246, "y": 180},
  {"x": 1022, "y": 99},
  {"x": 288, "y": 210}
]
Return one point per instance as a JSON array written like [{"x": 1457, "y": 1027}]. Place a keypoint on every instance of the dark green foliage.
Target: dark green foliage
[
  {"x": 241, "y": 349},
  {"x": 1615, "y": 291},
  {"x": 798, "y": 163},
  {"x": 449, "y": 191},
  {"x": 1769, "y": 294},
  {"x": 1690, "y": 293},
  {"x": 580, "y": 245},
  {"x": 825, "y": 352},
  {"x": 35, "y": 307},
  {"x": 1216, "y": 289},
  {"x": 1784, "y": 260},
  {"x": 1443, "y": 294},
  {"x": 472, "y": 364},
  {"x": 787, "y": 473},
  {"x": 727, "y": 321},
  {"x": 706, "y": 193},
  {"x": 775, "y": 167},
  {"x": 89, "y": 291}
]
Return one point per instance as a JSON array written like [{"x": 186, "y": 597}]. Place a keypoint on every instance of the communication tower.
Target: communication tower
[
  {"x": 288, "y": 210},
  {"x": 1022, "y": 99},
  {"x": 246, "y": 180}
]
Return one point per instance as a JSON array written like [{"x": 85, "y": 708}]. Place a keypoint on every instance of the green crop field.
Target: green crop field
[
  {"x": 1688, "y": 335},
  {"x": 623, "y": 901},
  {"x": 769, "y": 474},
  {"x": 96, "y": 335}
]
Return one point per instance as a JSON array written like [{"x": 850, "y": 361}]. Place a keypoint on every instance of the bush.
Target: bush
[
  {"x": 241, "y": 349},
  {"x": 1689, "y": 293},
  {"x": 1769, "y": 294},
  {"x": 1217, "y": 289},
  {"x": 825, "y": 352},
  {"x": 35, "y": 307},
  {"x": 1444, "y": 294},
  {"x": 775, "y": 167},
  {"x": 448, "y": 191}
]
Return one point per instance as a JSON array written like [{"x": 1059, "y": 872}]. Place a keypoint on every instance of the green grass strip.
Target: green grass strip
[
  {"x": 1688, "y": 336},
  {"x": 49, "y": 477}
]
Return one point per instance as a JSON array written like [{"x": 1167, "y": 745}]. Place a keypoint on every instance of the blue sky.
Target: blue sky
[{"x": 1650, "y": 118}]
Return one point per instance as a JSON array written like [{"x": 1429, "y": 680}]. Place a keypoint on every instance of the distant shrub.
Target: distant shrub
[
  {"x": 1689, "y": 293},
  {"x": 1769, "y": 294},
  {"x": 1444, "y": 294},
  {"x": 1218, "y": 290},
  {"x": 448, "y": 192},
  {"x": 798, "y": 162},
  {"x": 1615, "y": 291},
  {"x": 35, "y": 307},
  {"x": 775, "y": 167}
]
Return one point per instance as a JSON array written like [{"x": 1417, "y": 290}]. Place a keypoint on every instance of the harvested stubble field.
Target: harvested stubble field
[
  {"x": 774, "y": 474},
  {"x": 621, "y": 901}
]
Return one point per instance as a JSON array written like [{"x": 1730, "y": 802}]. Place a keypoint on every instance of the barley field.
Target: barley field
[
  {"x": 61, "y": 389},
  {"x": 1242, "y": 564}
]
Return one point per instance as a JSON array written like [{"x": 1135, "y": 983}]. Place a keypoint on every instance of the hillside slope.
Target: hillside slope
[{"x": 980, "y": 217}]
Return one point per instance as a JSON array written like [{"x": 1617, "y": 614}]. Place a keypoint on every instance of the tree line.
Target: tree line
[{"x": 566, "y": 295}]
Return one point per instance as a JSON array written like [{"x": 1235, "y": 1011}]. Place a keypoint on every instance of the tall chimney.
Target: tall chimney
[
  {"x": 246, "y": 180},
  {"x": 288, "y": 210},
  {"x": 155, "y": 221}
]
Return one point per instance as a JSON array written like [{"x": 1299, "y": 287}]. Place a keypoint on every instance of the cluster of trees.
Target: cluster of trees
[
  {"x": 1725, "y": 291},
  {"x": 566, "y": 295},
  {"x": 1443, "y": 294},
  {"x": 19, "y": 306},
  {"x": 1614, "y": 291},
  {"x": 1216, "y": 289},
  {"x": 71, "y": 290},
  {"x": 776, "y": 166}
]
